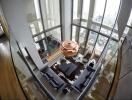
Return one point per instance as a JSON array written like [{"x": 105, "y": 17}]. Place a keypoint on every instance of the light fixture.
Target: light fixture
[{"x": 69, "y": 48}]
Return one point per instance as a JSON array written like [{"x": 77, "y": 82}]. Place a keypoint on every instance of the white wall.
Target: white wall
[{"x": 16, "y": 19}]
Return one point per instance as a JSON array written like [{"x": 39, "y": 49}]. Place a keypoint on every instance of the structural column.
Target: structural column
[{"x": 66, "y": 8}]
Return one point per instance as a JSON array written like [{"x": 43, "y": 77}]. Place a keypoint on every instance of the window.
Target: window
[
  {"x": 93, "y": 13},
  {"x": 33, "y": 16},
  {"x": 100, "y": 45},
  {"x": 98, "y": 10},
  {"x": 82, "y": 39},
  {"x": 56, "y": 33},
  {"x": 39, "y": 37},
  {"x": 82, "y": 36},
  {"x": 73, "y": 33},
  {"x": 76, "y": 6},
  {"x": 111, "y": 12},
  {"x": 91, "y": 41},
  {"x": 105, "y": 31},
  {"x": 93, "y": 21},
  {"x": 50, "y": 13},
  {"x": 112, "y": 47},
  {"x": 85, "y": 12},
  {"x": 44, "y": 21}
]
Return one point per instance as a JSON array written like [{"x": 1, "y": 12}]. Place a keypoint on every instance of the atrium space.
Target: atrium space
[{"x": 70, "y": 49}]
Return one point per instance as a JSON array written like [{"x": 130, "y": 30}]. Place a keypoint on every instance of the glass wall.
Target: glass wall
[
  {"x": 111, "y": 11},
  {"x": 94, "y": 27},
  {"x": 95, "y": 12},
  {"x": 73, "y": 32},
  {"x": 91, "y": 41},
  {"x": 50, "y": 12},
  {"x": 98, "y": 10},
  {"x": 93, "y": 22},
  {"x": 100, "y": 45},
  {"x": 44, "y": 21},
  {"x": 112, "y": 47},
  {"x": 82, "y": 39},
  {"x": 76, "y": 6}
]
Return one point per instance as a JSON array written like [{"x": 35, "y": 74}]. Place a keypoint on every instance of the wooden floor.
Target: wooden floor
[{"x": 9, "y": 86}]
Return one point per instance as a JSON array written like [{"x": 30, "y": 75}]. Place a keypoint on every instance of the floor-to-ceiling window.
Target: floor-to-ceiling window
[
  {"x": 94, "y": 24},
  {"x": 95, "y": 28},
  {"x": 44, "y": 18}
]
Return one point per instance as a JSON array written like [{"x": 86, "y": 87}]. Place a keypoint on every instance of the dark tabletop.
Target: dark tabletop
[{"x": 68, "y": 68}]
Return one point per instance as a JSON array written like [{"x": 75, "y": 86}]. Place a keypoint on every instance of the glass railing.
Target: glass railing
[
  {"x": 28, "y": 81},
  {"x": 102, "y": 85}
]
